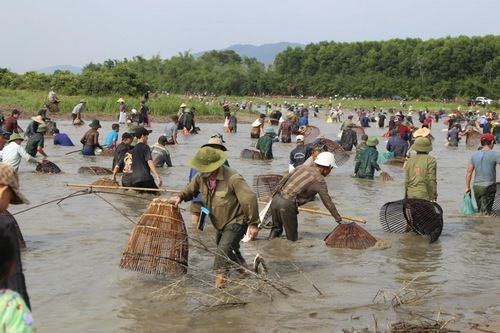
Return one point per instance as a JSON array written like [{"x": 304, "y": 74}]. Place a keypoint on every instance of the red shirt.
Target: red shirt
[{"x": 10, "y": 124}]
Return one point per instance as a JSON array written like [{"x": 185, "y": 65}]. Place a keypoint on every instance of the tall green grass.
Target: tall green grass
[{"x": 31, "y": 102}]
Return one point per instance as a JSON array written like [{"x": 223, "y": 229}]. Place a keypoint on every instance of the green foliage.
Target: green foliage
[{"x": 411, "y": 68}]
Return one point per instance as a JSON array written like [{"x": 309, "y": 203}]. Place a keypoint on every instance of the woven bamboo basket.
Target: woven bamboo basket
[
  {"x": 158, "y": 243},
  {"x": 106, "y": 181},
  {"x": 95, "y": 170},
  {"x": 264, "y": 185},
  {"x": 47, "y": 167},
  {"x": 253, "y": 154}
]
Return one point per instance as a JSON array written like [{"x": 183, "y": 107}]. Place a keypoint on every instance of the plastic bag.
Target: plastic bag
[
  {"x": 329, "y": 120},
  {"x": 468, "y": 206},
  {"x": 385, "y": 156}
]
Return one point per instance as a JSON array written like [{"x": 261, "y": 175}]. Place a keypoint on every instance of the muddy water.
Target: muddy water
[{"x": 73, "y": 251}]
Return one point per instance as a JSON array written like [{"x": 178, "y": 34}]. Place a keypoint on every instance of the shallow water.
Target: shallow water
[{"x": 73, "y": 251}]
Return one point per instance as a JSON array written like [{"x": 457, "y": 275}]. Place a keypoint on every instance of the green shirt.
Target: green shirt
[
  {"x": 420, "y": 182},
  {"x": 367, "y": 163},
  {"x": 232, "y": 201},
  {"x": 265, "y": 146}
]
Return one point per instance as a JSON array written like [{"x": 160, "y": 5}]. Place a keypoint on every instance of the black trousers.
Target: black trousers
[
  {"x": 228, "y": 247},
  {"x": 284, "y": 213}
]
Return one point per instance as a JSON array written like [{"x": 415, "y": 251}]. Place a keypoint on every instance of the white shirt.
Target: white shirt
[{"x": 14, "y": 153}]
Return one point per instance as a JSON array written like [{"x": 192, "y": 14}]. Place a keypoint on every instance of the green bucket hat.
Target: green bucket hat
[
  {"x": 207, "y": 159},
  {"x": 372, "y": 141},
  {"x": 422, "y": 145},
  {"x": 15, "y": 136}
]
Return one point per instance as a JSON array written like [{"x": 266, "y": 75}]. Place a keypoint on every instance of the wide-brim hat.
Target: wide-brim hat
[
  {"x": 207, "y": 159},
  {"x": 41, "y": 129},
  {"x": 8, "y": 177},
  {"x": 95, "y": 124},
  {"x": 421, "y": 132},
  {"x": 299, "y": 138},
  {"x": 183, "y": 105},
  {"x": 15, "y": 136},
  {"x": 120, "y": 100},
  {"x": 372, "y": 141},
  {"x": 38, "y": 119},
  {"x": 422, "y": 145},
  {"x": 216, "y": 143},
  {"x": 84, "y": 101}
]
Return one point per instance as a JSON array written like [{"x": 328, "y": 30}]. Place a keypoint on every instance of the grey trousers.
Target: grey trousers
[
  {"x": 284, "y": 213},
  {"x": 228, "y": 247}
]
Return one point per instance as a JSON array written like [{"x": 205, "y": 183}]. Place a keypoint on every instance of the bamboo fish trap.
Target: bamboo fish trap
[{"x": 158, "y": 243}]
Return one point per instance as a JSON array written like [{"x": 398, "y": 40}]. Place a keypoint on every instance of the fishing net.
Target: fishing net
[
  {"x": 95, "y": 170},
  {"x": 264, "y": 185},
  {"x": 47, "y": 167},
  {"x": 106, "y": 182},
  {"x": 350, "y": 235},
  {"x": 310, "y": 133},
  {"x": 473, "y": 139},
  {"x": 392, "y": 217},
  {"x": 341, "y": 156},
  {"x": 158, "y": 243},
  {"x": 495, "y": 211},
  {"x": 397, "y": 160},
  {"x": 251, "y": 154},
  {"x": 424, "y": 217},
  {"x": 385, "y": 156}
]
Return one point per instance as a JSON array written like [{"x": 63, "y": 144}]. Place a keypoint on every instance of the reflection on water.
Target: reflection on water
[{"x": 74, "y": 249}]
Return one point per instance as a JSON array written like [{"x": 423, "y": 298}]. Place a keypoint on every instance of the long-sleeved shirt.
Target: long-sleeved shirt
[
  {"x": 232, "y": 200},
  {"x": 367, "y": 163},
  {"x": 303, "y": 184},
  {"x": 420, "y": 182},
  {"x": 397, "y": 145},
  {"x": 13, "y": 153},
  {"x": 265, "y": 146}
]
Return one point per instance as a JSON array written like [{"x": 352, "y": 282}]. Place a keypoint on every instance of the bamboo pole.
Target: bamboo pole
[
  {"x": 322, "y": 212},
  {"x": 109, "y": 187}
]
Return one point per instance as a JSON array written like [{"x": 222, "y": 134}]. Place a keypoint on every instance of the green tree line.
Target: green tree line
[{"x": 411, "y": 68}]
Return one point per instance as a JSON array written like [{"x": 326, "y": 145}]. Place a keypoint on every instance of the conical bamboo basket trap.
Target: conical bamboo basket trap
[{"x": 158, "y": 243}]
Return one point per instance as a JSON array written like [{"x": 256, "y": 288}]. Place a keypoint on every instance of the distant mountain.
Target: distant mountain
[
  {"x": 52, "y": 69},
  {"x": 264, "y": 53}
]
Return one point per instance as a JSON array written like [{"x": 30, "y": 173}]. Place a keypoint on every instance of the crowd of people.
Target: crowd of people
[{"x": 236, "y": 214}]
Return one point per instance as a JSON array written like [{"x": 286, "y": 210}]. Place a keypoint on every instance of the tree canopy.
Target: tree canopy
[{"x": 413, "y": 68}]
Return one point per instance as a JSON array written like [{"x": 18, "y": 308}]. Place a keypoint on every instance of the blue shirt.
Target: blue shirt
[
  {"x": 303, "y": 121},
  {"x": 485, "y": 167},
  {"x": 110, "y": 137},
  {"x": 63, "y": 140}
]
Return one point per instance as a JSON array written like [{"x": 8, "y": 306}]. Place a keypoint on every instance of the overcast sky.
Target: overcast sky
[{"x": 36, "y": 34}]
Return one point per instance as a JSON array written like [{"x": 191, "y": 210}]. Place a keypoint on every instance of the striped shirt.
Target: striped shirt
[{"x": 303, "y": 184}]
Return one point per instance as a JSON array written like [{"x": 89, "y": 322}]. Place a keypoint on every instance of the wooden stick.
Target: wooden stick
[
  {"x": 73, "y": 151},
  {"x": 109, "y": 187},
  {"x": 322, "y": 212}
]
